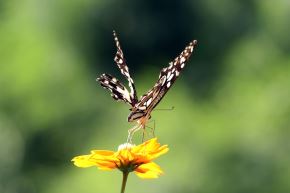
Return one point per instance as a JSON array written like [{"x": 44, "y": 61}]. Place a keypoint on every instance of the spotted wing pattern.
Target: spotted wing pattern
[
  {"x": 149, "y": 100},
  {"x": 117, "y": 89},
  {"x": 166, "y": 79},
  {"x": 121, "y": 62}
]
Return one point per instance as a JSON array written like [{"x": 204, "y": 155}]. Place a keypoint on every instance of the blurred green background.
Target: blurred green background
[{"x": 229, "y": 131}]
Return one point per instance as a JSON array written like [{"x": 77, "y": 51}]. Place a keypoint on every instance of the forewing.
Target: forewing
[
  {"x": 117, "y": 89},
  {"x": 166, "y": 79},
  {"x": 121, "y": 62}
]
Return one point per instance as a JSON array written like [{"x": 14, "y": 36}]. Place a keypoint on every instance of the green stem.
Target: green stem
[{"x": 125, "y": 177}]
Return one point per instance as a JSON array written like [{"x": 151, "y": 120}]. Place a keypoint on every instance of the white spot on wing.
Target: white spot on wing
[
  {"x": 127, "y": 74},
  {"x": 163, "y": 80},
  {"x": 142, "y": 108},
  {"x": 149, "y": 102},
  {"x": 168, "y": 84},
  {"x": 170, "y": 77},
  {"x": 120, "y": 90},
  {"x": 171, "y": 65},
  {"x": 182, "y": 60},
  {"x": 168, "y": 74},
  {"x": 182, "y": 65}
]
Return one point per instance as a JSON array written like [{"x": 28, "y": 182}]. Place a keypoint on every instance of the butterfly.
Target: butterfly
[{"x": 141, "y": 109}]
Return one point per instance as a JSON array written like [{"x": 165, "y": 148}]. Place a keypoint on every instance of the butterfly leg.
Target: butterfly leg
[
  {"x": 143, "y": 135},
  {"x": 152, "y": 128},
  {"x": 145, "y": 132},
  {"x": 153, "y": 131},
  {"x": 131, "y": 132}
]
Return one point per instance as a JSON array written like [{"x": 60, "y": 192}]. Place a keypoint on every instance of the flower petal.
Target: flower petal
[
  {"x": 83, "y": 161},
  {"x": 149, "y": 170},
  {"x": 160, "y": 151},
  {"x": 98, "y": 160},
  {"x": 103, "y": 152},
  {"x": 151, "y": 149},
  {"x": 146, "y": 146},
  {"x": 125, "y": 156},
  {"x": 108, "y": 164}
]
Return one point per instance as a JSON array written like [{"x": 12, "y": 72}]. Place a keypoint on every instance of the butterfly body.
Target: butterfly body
[{"x": 141, "y": 109}]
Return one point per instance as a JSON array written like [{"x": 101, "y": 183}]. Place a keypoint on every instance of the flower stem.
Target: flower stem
[{"x": 125, "y": 177}]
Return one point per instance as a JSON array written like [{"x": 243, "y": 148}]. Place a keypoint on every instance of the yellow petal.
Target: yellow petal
[
  {"x": 125, "y": 156},
  {"x": 160, "y": 151},
  {"x": 96, "y": 157},
  {"x": 152, "y": 144},
  {"x": 83, "y": 161},
  {"x": 149, "y": 170},
  {"x": 103, "y": 152},
  {"x": 105, "y": 168},
  {"x": 106, "y": 164},
  {"x": 147, "y": 146},
  {"x": 95, "y": 160},
  {"x": 148, "y": 151}
]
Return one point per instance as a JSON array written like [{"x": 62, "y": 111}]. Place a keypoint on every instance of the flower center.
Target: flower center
[{"x": 125, "y": 146}]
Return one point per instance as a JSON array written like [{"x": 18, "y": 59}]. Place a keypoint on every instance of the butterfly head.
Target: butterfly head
[{"x": 136, "y": 115}]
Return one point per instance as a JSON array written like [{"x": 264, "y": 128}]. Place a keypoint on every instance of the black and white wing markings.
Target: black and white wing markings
[
  {"x": 121, "y": 62},
  {"x": 117, "y": 89},
  {"x": 143, "y": 107},
  {"x": 166, "y": 79}
]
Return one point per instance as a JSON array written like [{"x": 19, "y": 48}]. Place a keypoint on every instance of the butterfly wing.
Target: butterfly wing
[
  {"x": 166, "y": 79},
  {"x": 117, "y": 89},
  {"x": 121, "y": 63}
]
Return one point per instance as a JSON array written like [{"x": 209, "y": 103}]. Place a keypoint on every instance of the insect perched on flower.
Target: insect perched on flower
[
  {"x": 128, "y": 158},
  {"x": 141, "y": 109}
]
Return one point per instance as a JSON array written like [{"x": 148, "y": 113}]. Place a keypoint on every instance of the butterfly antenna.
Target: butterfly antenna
[{"x": 169, "y": 109}]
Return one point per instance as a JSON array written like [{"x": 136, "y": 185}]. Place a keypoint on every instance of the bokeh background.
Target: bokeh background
[{"x": 229, "y": 131}]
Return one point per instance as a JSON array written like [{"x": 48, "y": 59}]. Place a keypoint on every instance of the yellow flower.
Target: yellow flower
[{"x": 128, "y": 158}]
